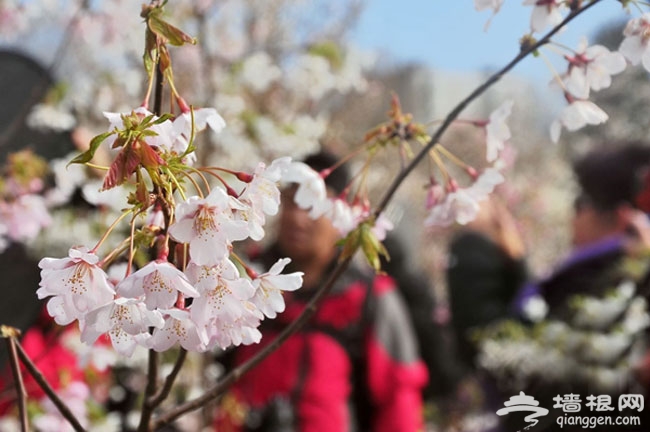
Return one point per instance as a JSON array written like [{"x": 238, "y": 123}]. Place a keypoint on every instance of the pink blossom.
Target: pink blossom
[
  {"x": 576, "y": 115},
  {"x": 160, "y": 283},
  {"x": 591, "y": 68},
  {"x": 180, "y": 329},
  {"x": 546, "y": 13},
  {"x": 497, "y": 131},
  {"x": 269, "y": 287},
  {"x": 381, "y": 227},
  {"x": 25, "y": 217},
  {"x": 208, "y": 226},
  {"x": 458, "y": 206},
  {"x": 126, "y": 321},
  {"x": 77, "y": 284},
  {"x": 635, "y": 45}
]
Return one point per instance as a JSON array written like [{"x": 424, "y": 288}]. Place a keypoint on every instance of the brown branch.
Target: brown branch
[
  {"x": 225, "y": 382},
  {"x": 49, "y": 391},
  {"x": 10, "y": 333},
  {"x": 454, "y": 113},
  {"x": 158, "y": 398}
]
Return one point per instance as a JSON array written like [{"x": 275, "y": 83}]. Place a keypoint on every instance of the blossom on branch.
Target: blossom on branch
[
  {"x": 125, "y": 320},
  {"x": 159, "y": 282},
  {"x": 312, "y": 192},
  {"x": 262, "y": 196},
  {"x": 497, "y": 131},
  {"x": 546, "y": 13},
  {"x": 222, "y": 291},
  {"x": 178, "y": 328},
  {"x": 576, "y": 115},
  {"x": 207, "y": 224},
  {"x": 269, "y": 287},
  {"x": 635, "y": 46},
  {"x": 77, "y": 283},
  {"x": 591, "y": 67}
]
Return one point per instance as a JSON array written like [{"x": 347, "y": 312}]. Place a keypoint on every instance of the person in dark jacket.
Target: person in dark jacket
[
  {"x": 354, "y": 366},
  {"x": 592, "y": 337}
]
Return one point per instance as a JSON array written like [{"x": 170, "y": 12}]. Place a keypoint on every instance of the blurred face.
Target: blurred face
[
  {"x": 301, "y": 238},
  {"x": 591, "y": 224}
]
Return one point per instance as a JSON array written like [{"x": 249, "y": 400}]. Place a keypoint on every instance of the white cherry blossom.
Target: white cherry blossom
[
  {"x": 269, "y": 287},
  {"x": 546, "y": 13},
  {"x": 242, "y": 331},
  {"x": 160, "y": 282},
  {"x": 591, "y": 68},
  {"x": 178, "y": 328},
  {"x": 312, "y": 192},
  {"x": 208, "y": 226},
  {"x": 635, "y": 46},
  {"x": 497, "y": 131},
  {"x": 221, "y": 289},
  {"x": 576, "y": 115},
  {"x": 125, "y": 320},
  {"x": 262, "y": 196},
  {"x": 77, "y": 283},
  {"x": 458, "y": 206}
]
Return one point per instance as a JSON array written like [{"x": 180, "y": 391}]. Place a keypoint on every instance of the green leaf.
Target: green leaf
[
  {"x": 174, "y": 35},
  {"x": 88, "y": 155}
]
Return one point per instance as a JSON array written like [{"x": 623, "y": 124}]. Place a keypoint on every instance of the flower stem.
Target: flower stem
[
  {"x": 49, "y": 391},
  {"x": 9, "y": 334}
]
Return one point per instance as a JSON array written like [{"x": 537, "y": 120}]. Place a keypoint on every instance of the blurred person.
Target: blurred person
[
  {"x": 487, "y": 266},
  {"x": 486, "y": 269},
  {"x": 354, "y": 367},
  {"x": 598, "y": 294}
]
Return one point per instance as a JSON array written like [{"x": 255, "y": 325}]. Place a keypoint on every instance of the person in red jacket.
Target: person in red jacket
[{"x": 354, "y": 367}]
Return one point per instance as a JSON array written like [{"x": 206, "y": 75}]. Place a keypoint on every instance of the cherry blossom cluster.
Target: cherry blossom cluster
[
  {"x": 589, "y": 67},
  {"x": 448, "y": 203},
  {"x": 209, "y": 302}
]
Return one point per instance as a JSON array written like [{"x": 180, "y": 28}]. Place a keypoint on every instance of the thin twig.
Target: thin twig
[
  {"x": 49, "y": 391},
  {"x": 236, "y": 373},
  {"x": 10, "y": 333},
  {"x": 526, "y": 51},
  {"x": 158, "y": 398}
]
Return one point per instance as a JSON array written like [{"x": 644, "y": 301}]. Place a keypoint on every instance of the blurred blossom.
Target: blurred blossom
[
  {"x": 546, "y": 13},
  {"x": 635, "y": 46},
  {"x": 310, "y": 76},
  {"x": 577, "y": 115},
  {"x": 497, "y": 131},
  {"x": 591, "y": 67},
  {"x": 258, "y": 72},
  {"x": 48, "y": 117}
]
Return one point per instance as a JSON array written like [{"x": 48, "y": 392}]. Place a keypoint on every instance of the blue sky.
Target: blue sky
[{"x": 449, "y": 33}]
